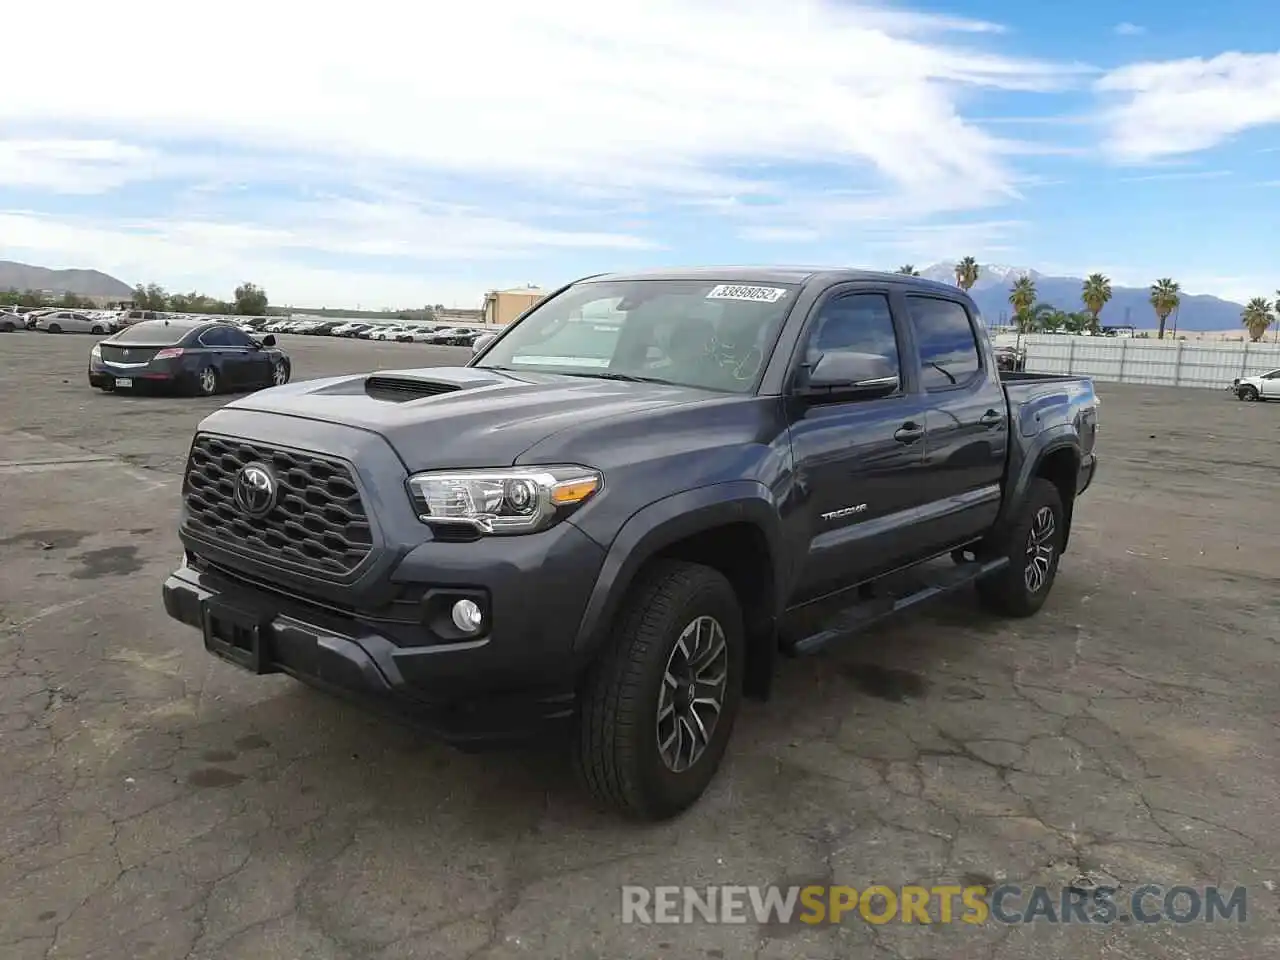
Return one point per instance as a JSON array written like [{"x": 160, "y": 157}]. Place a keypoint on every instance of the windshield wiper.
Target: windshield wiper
[{"x": 623, "y": 377}]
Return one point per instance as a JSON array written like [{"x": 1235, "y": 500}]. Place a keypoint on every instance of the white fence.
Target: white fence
[{"x": 1175, "y": 363}]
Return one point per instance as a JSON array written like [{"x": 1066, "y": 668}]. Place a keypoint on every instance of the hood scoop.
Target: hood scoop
[{"x": 401, "y": 389}]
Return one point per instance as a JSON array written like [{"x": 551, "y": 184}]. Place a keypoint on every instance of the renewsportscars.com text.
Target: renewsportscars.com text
[{"x": 1006, "y": 903}]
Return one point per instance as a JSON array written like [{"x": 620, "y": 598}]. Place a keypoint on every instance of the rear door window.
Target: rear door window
[{"x": 946, "y": 340}]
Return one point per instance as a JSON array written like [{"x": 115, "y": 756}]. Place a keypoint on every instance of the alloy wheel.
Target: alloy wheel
[
  {"x": 208, "y": 380},
  {"x": 691, "y": 696},
  {"x": 280, "y": 376},
  {"x": 1040, "y": 549}
]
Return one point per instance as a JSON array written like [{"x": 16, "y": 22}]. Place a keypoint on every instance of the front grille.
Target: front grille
[
  {"x": 400, "y": 389},
  {"x": 318, "y": 523}
]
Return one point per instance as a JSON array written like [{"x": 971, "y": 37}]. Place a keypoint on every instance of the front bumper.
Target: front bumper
[{"x": 514, "y": 681}]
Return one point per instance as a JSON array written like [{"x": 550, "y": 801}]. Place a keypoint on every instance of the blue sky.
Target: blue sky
[{"x": 337, "y": 161}]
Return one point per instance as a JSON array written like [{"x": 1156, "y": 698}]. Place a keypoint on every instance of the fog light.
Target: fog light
[{"x": 467, "y": 616}]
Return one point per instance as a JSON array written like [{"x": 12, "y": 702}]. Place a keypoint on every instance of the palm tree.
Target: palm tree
[
  {"x": 1164, "y": 299},
  {"x": 1022, "y": 296},
  {"x": 909, "y": 270},
  {"x": 1257, "y": 317},
  {"x": 967, "y": 271},
  {"x": 1094, "y": 294}
]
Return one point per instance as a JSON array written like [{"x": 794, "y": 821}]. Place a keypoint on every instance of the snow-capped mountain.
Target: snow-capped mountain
[{"x": 989, "y": 274}]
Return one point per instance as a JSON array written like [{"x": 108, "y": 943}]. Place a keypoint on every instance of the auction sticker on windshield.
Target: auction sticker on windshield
[{"x": 737, "y": 291}]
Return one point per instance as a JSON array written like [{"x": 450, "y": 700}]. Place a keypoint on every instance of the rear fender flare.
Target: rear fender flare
[
  {"x": 1052, "y": 440},
  {"x": 663, "y": 523}
]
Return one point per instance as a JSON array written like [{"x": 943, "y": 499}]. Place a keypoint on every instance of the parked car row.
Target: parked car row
[
  {"x": 403, "y": 332},
  {"x": 57, "y": 320}
]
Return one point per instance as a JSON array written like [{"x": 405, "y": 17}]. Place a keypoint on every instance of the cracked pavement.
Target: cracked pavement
[{"x": 156, "y": 804}]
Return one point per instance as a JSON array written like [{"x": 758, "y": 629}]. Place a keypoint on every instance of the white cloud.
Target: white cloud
[
  {"x": 72, "y": 166},
  {"x": 558, "y": 110},
  {"x": 213, "y": 256},
  {"x": 1127, "y": 29},
  {"x": 648, "y": 94},
  {"x": 1181, "y": 106}
]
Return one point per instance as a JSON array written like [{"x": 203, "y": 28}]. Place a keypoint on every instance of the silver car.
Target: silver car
[
  {"x": 10, "y": 321},
  {"x": 72, "y": 321}
]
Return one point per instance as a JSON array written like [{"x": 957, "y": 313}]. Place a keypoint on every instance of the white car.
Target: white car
[
  {"x": 10, "y": 321},
  {"x": 389, "y": 333},
  {"x": 73, "y": 321},
  {"x": 1265, "y": 386}
]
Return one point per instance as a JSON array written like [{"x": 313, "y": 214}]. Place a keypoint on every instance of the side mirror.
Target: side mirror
[
  {"x": 269, "y": 340},
  {"x": 844, "y": 375},
  {"x": 481, "y": 343}
]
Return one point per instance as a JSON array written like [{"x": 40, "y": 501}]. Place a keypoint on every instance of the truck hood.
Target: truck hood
[{"x": 460, "y": 417}]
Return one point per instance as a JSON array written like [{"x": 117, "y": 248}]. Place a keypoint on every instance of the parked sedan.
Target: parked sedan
[
  {"x": 195, "y": 356},
  {"x": 71, "y": 321},
  {"x": 10, "y": 321}
]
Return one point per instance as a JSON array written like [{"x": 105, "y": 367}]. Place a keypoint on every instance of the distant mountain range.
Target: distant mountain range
[
  {"x": 1128, "y": 305},
  {"x": 84, "y": 283}
]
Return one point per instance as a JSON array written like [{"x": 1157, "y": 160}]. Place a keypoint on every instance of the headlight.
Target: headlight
[
  {"x": 96, "y": 352},
  {"x": 503, "y": 501}
]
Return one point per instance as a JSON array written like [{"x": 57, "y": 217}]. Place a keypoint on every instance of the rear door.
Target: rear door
[
  {"x": 966, "y": 422},
  {"x": 857, "y": 461}
]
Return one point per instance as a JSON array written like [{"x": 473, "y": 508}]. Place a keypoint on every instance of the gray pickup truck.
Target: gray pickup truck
[{"x": 619, "y": 513}]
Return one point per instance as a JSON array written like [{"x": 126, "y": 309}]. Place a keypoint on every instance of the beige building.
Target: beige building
[{"x": 503, "y": 306}]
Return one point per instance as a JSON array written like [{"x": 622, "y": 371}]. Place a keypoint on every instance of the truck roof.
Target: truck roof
[{"x": 771, "y": 274}]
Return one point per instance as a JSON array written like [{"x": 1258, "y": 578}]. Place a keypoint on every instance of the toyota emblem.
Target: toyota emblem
[{"x": 255, "y": 490}]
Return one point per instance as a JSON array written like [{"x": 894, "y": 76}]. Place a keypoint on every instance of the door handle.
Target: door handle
[
  {"x": 909, "y": 432},
  {"x": 991, "y": 418}
]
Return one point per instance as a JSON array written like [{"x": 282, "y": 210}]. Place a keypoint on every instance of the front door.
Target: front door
[{"x": 858, "y": 461}]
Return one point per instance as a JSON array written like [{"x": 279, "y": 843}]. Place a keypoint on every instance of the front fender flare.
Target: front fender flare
[{"x": 665, "y": 522}]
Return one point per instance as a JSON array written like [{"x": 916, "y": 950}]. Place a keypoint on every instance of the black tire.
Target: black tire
[
  {"x": 280, "y": 373},
  {"x": 55, "y": 328},
  {"x": 97, "y": 330},
  {"x": 1249, "y": 392},
  {"x": 616, "y": 743},
  {"x": 206, "y": 382},
  {"x": 1010, "y": 592}
]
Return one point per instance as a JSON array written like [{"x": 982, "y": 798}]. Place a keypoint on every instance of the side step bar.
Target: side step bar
[{"x": 859, "y": 615}]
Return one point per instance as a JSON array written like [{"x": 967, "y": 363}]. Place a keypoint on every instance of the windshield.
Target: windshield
[{"x": 711, "y": 334}]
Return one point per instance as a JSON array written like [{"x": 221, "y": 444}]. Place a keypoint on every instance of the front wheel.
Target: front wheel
[
  {"x": 55, "y": 328},
  {"x": 658, "y": 706},
  {"x": 1033, "y": 545},
  {"x": 1249, "y": 392},
  {"x": 207, "y": 382},
  {"x": 97, "y": 330}
]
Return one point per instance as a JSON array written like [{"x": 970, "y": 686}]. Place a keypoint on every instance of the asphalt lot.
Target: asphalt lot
[{"x": 155, "y": 803}]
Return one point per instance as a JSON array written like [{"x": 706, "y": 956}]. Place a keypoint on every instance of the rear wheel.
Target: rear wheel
[
  {"x": 659, "y": 705},
  {"x": 8, "y": 326},
  {"x": 55, "y": 328},
  {"x": 207, "y": 382},
  {"x": 1032, "y": 545},
  {"x": 98, "y": 330}
]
